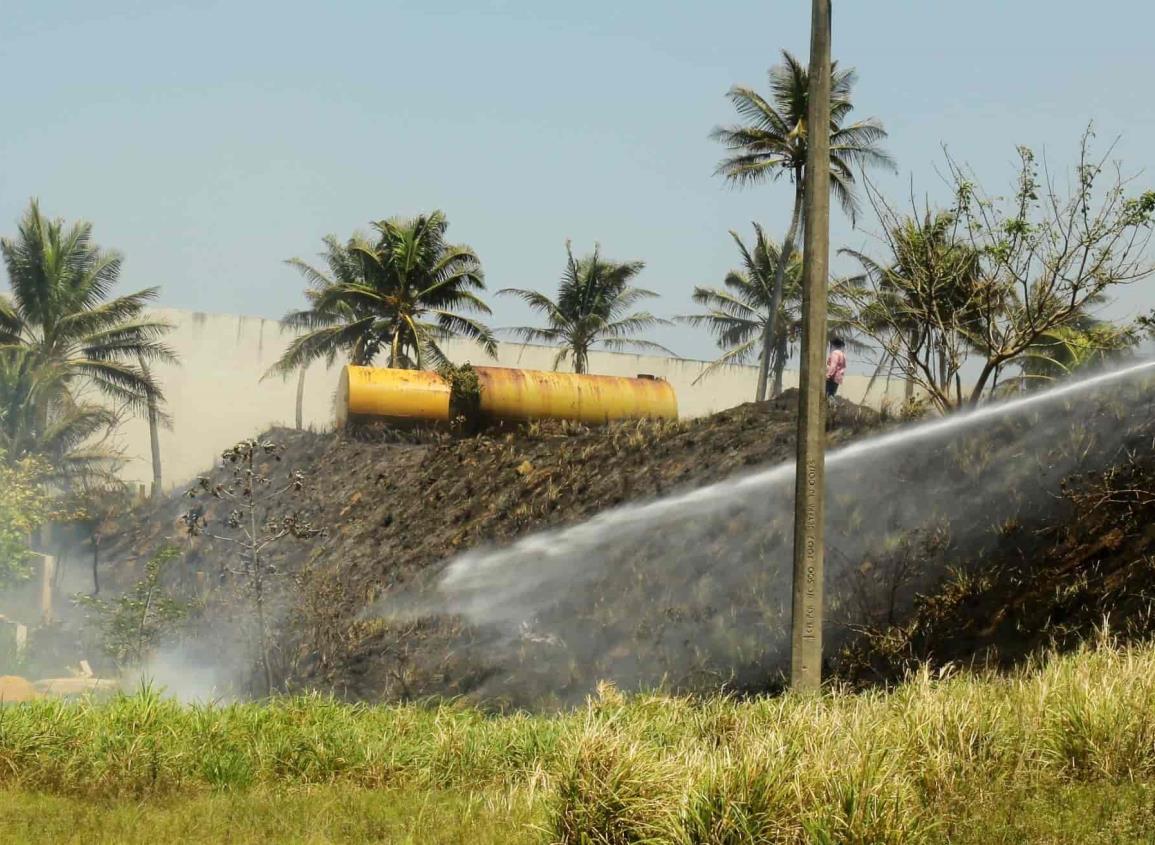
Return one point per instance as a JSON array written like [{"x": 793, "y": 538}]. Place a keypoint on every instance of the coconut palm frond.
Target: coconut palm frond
[
  {"x": 592, "y": 308},
  {"x": 401, "y": 291},
  {"x": 62, "y": 334}
]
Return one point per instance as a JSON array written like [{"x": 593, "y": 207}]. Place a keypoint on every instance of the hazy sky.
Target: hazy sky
[{"x": 210, "y": 141}]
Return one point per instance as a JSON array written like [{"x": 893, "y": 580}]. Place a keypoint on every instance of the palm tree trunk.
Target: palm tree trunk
[
  {"x": 874, "y": 377},
  {"x": 153, "y": 435},
  {"x": 908, "y": 393},
  {"x": 778, "y": 363},
  {"x": 95, "y": 564},
  {"x": 770, "y": 334},
  {"x": 301, "y": 399}
]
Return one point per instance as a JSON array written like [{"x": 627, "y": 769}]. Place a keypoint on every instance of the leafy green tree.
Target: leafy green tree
[
  {"x": 62, "y": 336},
  {"x": 23, "y": 507},
  {"x": 592, "y": 309},
  {"x": 770, "y": 142},
  {"x": 329, "y": 327},
  {"x": 738, "y": 313},
  {"x": 134, "y": 624},
  {"x": 404, "y": 293},
  {"x": 71, "y": 438},
  {"x": 993, "y": 280}
]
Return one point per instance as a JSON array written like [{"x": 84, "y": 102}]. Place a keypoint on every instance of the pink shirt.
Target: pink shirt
[{"x": 836, "y": 366}]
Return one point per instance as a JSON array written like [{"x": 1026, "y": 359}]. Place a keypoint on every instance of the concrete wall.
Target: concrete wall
[{"x": 217, "y": 395}]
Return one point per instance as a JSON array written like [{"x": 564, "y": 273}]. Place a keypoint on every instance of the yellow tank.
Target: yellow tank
[
  {"x": 414, "y": 396},
  {"x": 506, "y": 395}
]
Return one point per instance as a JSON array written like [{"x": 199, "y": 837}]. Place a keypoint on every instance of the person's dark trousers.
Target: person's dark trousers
[{"x": 831, "y": 387}]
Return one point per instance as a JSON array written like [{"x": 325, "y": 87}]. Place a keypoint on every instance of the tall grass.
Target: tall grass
[{"x": 868, "y": 768}]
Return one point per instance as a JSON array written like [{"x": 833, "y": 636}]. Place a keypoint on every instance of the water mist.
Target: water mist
[{"x": 692, "y": 591}]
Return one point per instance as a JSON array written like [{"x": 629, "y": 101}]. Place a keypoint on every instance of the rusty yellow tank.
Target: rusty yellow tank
[
  {"x": 505, "y": 395},
  {"x": 394, "y": 395}
]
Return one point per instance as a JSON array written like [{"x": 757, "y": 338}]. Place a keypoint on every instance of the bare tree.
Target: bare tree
[
  {"x": 981, "y": 282},
  {"x": 253, "y": 499}
]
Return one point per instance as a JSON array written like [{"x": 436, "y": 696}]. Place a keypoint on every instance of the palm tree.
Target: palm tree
[
  {"x": 340, "y": 268},
  {"x": 592, "y": 308},
  {"x": 25, "y": 389},
  {"x": 328, "y": 329},
  {"x": 61, "y": 337},
  {"x": 770, "y": 143},
  {"x": 738, "y": 313},
  {"x": 403, "y": 292}
]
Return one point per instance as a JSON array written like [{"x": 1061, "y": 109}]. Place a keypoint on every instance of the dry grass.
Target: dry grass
[{"x": 913, "y": 765}]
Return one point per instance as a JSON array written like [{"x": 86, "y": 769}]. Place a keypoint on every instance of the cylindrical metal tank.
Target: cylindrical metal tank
[
  {"x": 506, "y": 395},
  {"x": 400, "y": 396}
]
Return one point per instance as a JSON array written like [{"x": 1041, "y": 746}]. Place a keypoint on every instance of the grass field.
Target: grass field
[
  {"x": 1089, "y": 815},
  {"x": 1064, "y": 752}
]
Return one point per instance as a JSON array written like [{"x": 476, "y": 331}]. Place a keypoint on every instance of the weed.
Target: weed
[{"x": 134, "y": 624}]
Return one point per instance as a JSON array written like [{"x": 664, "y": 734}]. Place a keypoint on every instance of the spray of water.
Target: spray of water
[{"x": 693, "y": 589}]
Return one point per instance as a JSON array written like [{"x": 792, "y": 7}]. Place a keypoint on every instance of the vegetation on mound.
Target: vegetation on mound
[
  {"x": 1053, "y": 572},
  {"x": 908, "y": 766}
]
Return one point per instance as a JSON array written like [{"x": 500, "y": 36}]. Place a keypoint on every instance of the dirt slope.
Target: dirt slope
[
  {"x": 1085, "y": 568},
  {"x": 397, "y": 512}
]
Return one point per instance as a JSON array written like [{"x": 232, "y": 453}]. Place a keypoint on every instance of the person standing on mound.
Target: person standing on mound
[{"x": 835, "y": 366}]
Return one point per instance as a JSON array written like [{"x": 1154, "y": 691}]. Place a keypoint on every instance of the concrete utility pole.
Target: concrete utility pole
[{"x": 806, "y": 654}]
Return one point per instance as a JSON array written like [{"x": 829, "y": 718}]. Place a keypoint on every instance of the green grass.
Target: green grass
[
  {"x": 316, "y": 815},
  {"x": 1059, "y": 815},
  {"x": 1078, "y": 814},
  {"x": 1064, "y": 752}
]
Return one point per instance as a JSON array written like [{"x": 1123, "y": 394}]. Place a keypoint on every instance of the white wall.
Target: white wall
[{"x": 217, "y": 395}]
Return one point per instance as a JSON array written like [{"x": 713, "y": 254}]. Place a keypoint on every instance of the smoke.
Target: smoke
[
  {"x": 184, "y": 672},
  {"x": 693, "y": 591}
]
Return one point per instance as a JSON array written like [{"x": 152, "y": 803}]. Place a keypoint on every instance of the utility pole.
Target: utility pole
[{"x": 806, "y": 643}]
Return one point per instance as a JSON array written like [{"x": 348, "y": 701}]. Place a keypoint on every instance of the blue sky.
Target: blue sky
[{"x": 210, "y": 141}]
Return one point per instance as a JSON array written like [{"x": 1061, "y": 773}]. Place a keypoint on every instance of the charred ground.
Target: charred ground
[{"x": 397, "y": 510}]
